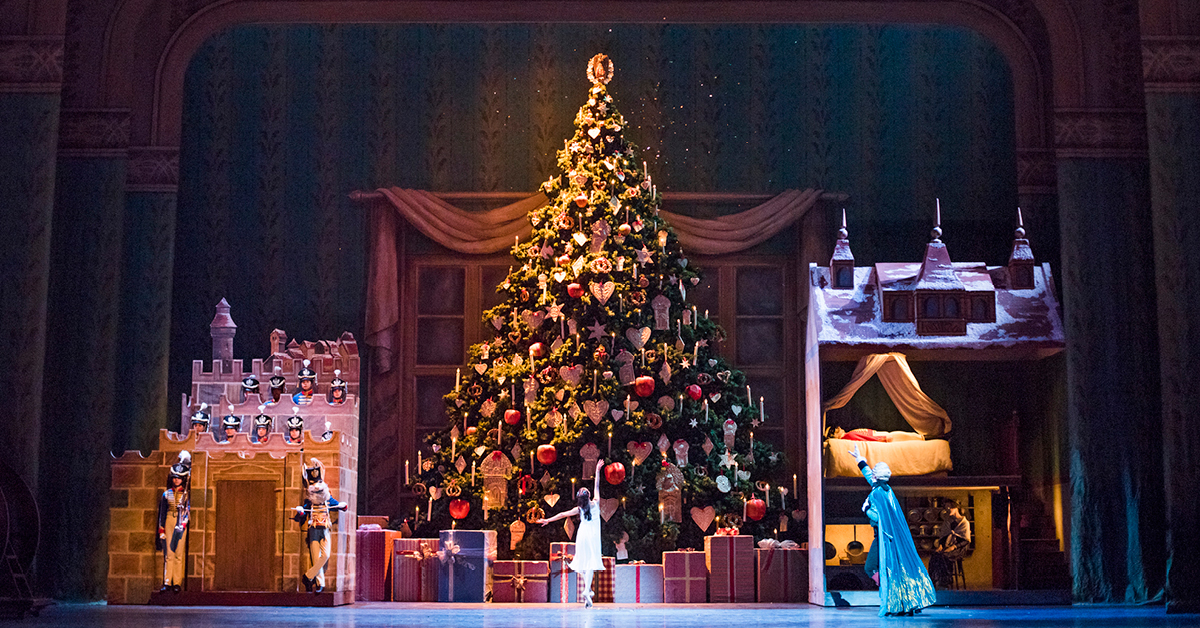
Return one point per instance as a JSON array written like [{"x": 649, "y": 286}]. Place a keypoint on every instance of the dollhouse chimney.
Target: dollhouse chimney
[
  {"x": 222, "y": 330},
  {"x": 841, "y": 265},
  {"x": 1021, "y": 261}
]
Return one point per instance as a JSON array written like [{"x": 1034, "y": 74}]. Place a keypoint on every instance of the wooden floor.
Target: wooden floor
[{"x": 380, "y": 614}]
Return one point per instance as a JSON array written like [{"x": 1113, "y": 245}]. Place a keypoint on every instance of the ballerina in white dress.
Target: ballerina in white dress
[{"x": 587, "y": 542}]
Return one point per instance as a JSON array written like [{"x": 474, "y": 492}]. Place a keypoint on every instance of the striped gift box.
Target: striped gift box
[
  {"x": 414, "y": 570},
  {"x": 563, "y": 581},
  {"x": 638, "y": 583},
  {"x": 730, "y": 562},
  {"x": 685, "y": 577},
  {"x": 782, "y": 575},
  {"x": 373, "y": 563}
]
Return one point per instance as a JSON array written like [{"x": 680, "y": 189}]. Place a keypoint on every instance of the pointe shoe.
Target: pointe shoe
[
  {"x": 587, "y": 599},
  {"x": 318, "y": 588}
]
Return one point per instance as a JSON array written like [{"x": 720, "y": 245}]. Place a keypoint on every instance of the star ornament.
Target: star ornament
[
  {"x": 693, "y": 422},
  {"x": 554, "y": 310},
  {"x": 598, "y": 331},
  {"x": 643, "y": 255},
  {"x": 727, "y": 459}
]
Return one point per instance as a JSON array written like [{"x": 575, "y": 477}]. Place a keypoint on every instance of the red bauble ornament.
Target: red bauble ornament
[
  {"x": 614, "y": 473},
  {"x": 644, "y": 386},
  {"x": 564, "y": 260},
  {"x": 695, "y": 392},
  {"x": 537, "y": 349},
  {"x": 581, "y": 200},
  {"x": 575, "y": 290},
  {"x": 755, "y": 509},
  {"x": 624, "y": 229},
  {"x": 547, "y": 454},
  {"x": 459, "y": 508},
  {"x": 471, "y": 430},
  {"x": 512, "y": 417}
]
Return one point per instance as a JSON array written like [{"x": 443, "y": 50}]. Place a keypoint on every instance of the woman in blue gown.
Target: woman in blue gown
[{"x": 904, "y": 584}]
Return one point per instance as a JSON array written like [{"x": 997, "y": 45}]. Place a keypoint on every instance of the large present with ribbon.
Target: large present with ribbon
[
  {"x": 602, "y": 582},
  {"x": 521, "y": 581},
  {"x": 638, "y": 583},
  {"x": 373, "y": 563},
  {"x": 782, "y": 572},
  {"x": 685, "y": 577},
  {"x": 414, "y": 570},
  {"x": 465, "y": 560},
  {"x": 563, "y": 581},
  {"x": 730, "y": 562}
]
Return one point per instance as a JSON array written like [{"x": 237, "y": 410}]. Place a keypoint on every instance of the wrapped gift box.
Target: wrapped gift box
[
  {"x": 414, "y": 570},
  {"x": 782, "y": 575},
  {"x": 638, "y": 584},
  {"x": 521, "y": 581},
  {"x": 373, "y": 563},
  {"x": 685, "y": 577},
  {"x": 563, "y": 581},
  {"x": 730, "y": 562},
  {"x": 602, "y": 582},
  {"x": 465, "y": 560}
]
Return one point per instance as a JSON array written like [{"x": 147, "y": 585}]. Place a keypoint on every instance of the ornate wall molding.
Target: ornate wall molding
[
  {"x": 1037, "y": 172},
  {"x": 1171, "y": 64},
  {"x": 31, "y": 64},
  {"x": 1100, "y": 133},
  {"x": 152, "y": 169},
  {"x": 93, "y": 133}
]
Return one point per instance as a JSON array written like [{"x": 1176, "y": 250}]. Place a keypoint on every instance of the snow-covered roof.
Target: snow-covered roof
[{"x": 853, "y": 318}]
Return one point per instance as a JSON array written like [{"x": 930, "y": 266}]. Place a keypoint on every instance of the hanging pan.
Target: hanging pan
[{"x": 855, "y": 547}]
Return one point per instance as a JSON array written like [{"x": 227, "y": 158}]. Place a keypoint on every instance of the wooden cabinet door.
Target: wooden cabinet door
[{"x": 245, "y": 539}]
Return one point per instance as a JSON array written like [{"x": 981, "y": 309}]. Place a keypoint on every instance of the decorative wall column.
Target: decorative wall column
[
  {"x": 30, "y": 80},
  {"x": 1171, "y": 70},
  {"x": 1113, "y": 414}
]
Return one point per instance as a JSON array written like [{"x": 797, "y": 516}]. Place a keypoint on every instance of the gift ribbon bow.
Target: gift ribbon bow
[
  {"x": 449, "y": 555},
  {"x": 519, "y": 580},
  {"x": 727, "y": 532},
  {"x": 562, "y": 556}
]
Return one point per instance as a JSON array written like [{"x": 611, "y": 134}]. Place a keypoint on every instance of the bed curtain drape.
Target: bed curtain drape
[{"x": 921, "y": 412}]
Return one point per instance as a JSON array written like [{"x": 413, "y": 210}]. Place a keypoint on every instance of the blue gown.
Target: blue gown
[{"x": 904, "y": 584}]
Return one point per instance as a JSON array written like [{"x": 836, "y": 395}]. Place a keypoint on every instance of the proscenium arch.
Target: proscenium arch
[{"x": 1032, "y": 106}]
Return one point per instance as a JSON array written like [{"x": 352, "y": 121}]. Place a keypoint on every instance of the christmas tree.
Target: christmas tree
[{"x": 597, "y": 354}]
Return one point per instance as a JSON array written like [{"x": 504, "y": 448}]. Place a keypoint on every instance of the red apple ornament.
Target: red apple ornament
[
  {"x": 537, "y": 349},
  {"x": 695, "y": 392},
  {"x": 471, "y": 430},
  {"x": 575, "y": 290},
  {"x": 614, "y": 473},
  {"x": 512, "y": 417},
  {"x": 755, "y": 509},
  {"x": 644, "y": 386},
  {"x": 547, "y": 454},
  {"x": 459, "y": 508}
]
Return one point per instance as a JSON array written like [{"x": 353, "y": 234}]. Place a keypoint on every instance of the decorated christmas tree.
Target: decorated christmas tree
[{"x": 597, "y": 354}]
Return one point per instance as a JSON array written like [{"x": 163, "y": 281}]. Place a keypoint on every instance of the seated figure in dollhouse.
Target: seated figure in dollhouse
[
  {"x": 262, "y": 427},
  {"x": 308, "y": 385},
  {"x": 295, "y": 426}
]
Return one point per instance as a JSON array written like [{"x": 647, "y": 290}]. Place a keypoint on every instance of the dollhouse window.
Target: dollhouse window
[
  {"x": 951, "y": 307},
  {"x": 979, "y": 309},
  {"x": 899, "y": 309},
  {"x": 930, "y": 307},
  {"x": 844, "y": 277}
]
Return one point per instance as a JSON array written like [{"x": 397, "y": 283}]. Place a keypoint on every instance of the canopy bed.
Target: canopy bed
[{"x": 882, "y": 316}]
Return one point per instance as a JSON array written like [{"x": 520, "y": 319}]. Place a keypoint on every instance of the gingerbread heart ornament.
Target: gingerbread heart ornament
[
  {"x": 571, "y": 375},
  {"x": 602, "y": 291},
  {"x": 595, "y": 410},
  {"x": 608, "y": 507},
  {"x": 703, "y": 517},
  {"x": 638, "y": 337},
  {"x": 639, "y": 451}
]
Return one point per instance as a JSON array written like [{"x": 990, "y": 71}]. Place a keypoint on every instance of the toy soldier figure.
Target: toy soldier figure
[
  {"x": 277, "y": 384},
  {"x": 262, "y": 426},
  {"x": 337, "y": 388},
  {"x": 295, "y": 426},
  {"x": 174, "y": 508},
  {"x": 315, "y": 514},
  {"x": 308, "y": 385},
  {"x": 249, "y": 386},
  {"x": 200, "y": 418},
  {"x": 231, "y": 425}
]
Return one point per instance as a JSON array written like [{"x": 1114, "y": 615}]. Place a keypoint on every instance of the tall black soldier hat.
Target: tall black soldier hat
[
  {"x": 231, "y": 420},
  {"x": 182, "y": 469},
  {"x": 306, "y": 372},
  {"x": 314, "y": 473},
  {"x": 338, "y": 385},
  {"x": 250, "y": 384},
  {"x": 201, "y": 418},
  {"x": 262, "y": 420},
  {"x": 295, "y": 422}
]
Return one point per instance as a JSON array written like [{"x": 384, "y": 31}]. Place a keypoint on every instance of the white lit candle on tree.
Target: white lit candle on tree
[
  {"x": 761, "y": 417},
  {"x": 661, "y": 516},
  {"x": 457, "y": 379},
  {"x": 406, "y": 482},
  {"x": 610, "y": 443},
  {"x": 472, "y": 473},
  {"x": 794, "y": 484},
  {"x": 429, "y": 515}
]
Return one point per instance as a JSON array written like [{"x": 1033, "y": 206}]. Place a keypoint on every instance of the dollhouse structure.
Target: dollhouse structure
[{"x": 243, "y": 545}]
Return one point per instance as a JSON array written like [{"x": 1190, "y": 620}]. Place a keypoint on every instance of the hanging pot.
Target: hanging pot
[
  {"x": 855, "y": 547},
  {"x": 830, "y": 551}
]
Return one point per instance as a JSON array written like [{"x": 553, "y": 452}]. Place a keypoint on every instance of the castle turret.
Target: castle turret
[
  {"x": 222, "y": 329},
  {"x": 1021, "y": 260},
  {"x": 841, "y": 265}
]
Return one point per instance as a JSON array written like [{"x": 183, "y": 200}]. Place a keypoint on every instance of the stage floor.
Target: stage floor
[{"x": 372, "y": 615}]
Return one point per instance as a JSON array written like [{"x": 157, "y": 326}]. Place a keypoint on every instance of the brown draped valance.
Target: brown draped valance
[{"x": 492, "y": 231}]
